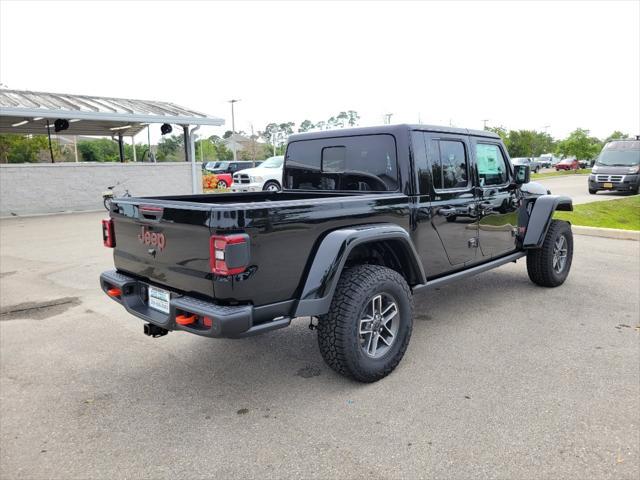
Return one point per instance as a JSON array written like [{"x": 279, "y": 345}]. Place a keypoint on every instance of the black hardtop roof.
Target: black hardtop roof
[{"x": 390, "y": 129}]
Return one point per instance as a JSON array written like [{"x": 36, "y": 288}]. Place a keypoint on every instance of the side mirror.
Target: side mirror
[{"x": 522, "y": 174}]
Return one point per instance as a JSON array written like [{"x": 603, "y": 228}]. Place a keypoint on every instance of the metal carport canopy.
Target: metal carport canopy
[{"x": 26, "y": 112}]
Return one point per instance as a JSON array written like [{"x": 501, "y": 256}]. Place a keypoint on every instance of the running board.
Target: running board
[{"x": 438, "y": 282}]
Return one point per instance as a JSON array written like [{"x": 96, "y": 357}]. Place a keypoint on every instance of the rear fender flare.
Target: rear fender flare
[
  {"x": 331, "y": 256},
  {"x": 541, "y": 216}
]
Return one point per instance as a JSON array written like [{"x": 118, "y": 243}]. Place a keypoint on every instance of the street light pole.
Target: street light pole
[{"x": 233, "y": 128}]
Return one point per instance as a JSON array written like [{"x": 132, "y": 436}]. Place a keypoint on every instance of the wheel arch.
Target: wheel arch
[
  {"x": 380, "y": 244},
  {"x": 541, "y": 216}
]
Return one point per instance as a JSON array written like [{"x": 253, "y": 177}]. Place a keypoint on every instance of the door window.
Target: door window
[
  {"x": 449, "y": 166},
  {"x": 492, "y": 166}
]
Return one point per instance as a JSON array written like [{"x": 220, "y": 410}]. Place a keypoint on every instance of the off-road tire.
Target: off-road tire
[
  {"x": 338, "y": 330},
  {"x": 540, "y": 261}
]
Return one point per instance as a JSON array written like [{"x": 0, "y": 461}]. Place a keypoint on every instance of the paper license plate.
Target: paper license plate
[
  {"x": 608, "y": 185},
  {"x": 159, "y": 299}
]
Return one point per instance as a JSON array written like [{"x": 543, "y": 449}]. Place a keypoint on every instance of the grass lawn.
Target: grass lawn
[
  {"x": 535, "y": 176},
  {"x": 623, "y": 213}
]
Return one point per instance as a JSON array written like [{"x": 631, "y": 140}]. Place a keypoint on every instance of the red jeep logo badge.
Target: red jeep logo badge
[{"x": 151, "y": 239}]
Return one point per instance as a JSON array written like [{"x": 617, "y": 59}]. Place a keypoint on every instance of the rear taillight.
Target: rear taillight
[
  {"x": 229, "y": 254},
  {"x": 108, "y": 234}
]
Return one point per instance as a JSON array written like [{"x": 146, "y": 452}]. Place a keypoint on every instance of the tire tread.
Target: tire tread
[{"x": 354, "y": 284}]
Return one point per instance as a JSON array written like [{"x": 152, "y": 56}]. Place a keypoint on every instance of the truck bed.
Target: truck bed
[{"x": 284, "y": 228}]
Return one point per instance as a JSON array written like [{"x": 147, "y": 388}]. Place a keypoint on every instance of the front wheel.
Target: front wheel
[
  {"x": 271, "y": 186},
  {"x": 368, "y": 327},
  {"x": 222, "y": 184},
  {"x": 549, "y": 265},
  {"x": 592, "y": 191},
  {"x": 106, "y": 201}
]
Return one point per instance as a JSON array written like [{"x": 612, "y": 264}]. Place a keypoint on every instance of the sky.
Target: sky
[{"x": 551, "y": 66}]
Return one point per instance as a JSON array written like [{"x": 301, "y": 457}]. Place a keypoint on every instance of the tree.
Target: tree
[
  {"x": 528, "y": 143},
  {"x": 580, "y": 145},
  {"x": 286, "y": 128},
  {"x": 502, "y": 132},
  {"x": 305, "y": 126},
  {"x": 342, "y": 118},
  {"x": 24, "y": 149},
  {"x": 170, "y": 149},
  {"x": 353, "y": 118},
  {"x": 321, "y": 125},
  {"x": 206, "y": 150},
  {"x": 227, "y": 134},
  {"x": 616, "y": 135},
  {"x": 223, "y": 153}
]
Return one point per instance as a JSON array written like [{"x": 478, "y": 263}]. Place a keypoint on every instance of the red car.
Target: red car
[{"x": 568, "y": 164}]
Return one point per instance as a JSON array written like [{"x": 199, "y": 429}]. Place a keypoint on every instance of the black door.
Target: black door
[
  {"x": 452, "y": 195},
  {"x": 497, "y": 207}
]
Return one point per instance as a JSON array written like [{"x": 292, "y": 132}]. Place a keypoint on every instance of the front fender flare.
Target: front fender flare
[
  {"x": 541, "y": 216},
  {"x": 331, "y": 256}
]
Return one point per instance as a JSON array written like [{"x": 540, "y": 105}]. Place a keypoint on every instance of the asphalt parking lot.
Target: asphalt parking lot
[
  {"x": 502, "y": 379},
  {"x": 575, "y": 186}
]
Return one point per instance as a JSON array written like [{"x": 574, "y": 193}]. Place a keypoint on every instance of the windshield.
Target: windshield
[
  {"x": 273, "y": 162},
  {"x": 220, "y": 165},
  {"x": 620, "y": 154}
]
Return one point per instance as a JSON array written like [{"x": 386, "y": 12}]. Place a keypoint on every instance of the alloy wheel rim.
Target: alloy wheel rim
[
  {"x": 378, "y": 325},
  {"x": 560, "y": 251},
  {"x": 272, "y": 188}
]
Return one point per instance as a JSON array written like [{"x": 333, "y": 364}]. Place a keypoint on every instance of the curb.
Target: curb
[{"x": 616, "y": 233}]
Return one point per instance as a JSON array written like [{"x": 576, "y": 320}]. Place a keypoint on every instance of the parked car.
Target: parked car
[
  {"x": 567, "y": 164},
  {"x": 359, "y": 228},
  {"x": 530, "y": 162},
  {"x": 549, "y": 159},
  {"x": 617, "y": 167},
  {"x": 544, "y": 162},
  {"x": 228, "y": 166},
  {"x": 584, "y": 163},
  {"x": 268, "y": 176}
]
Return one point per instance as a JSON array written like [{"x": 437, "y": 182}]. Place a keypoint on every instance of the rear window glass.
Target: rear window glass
[{"x": 362, "y": 163}]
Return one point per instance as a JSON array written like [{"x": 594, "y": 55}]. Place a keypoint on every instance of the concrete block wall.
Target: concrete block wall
[{"x": 67, "y": 187}]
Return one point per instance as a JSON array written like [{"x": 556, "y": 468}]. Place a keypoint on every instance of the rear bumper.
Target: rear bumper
[{"x": 226, "y": 321}]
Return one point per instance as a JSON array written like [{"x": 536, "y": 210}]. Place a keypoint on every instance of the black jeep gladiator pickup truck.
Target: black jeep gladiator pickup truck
[{"x": 367, "y": 217}]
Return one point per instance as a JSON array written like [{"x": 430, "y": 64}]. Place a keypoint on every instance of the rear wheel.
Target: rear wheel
[
  {"x": 549, "y": 265},
  {"x": 222, "y": 184},
  {"x": 368, "y": 327}
]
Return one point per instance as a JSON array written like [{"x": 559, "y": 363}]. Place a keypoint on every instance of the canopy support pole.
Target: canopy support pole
[
  {"x": 185, "y": 129},
  {"x": 49, "y": 135},
  {"x": 194, "y": 172},
  {"x": 121, "y": 148},
  {"x": 133, "y": 144}
]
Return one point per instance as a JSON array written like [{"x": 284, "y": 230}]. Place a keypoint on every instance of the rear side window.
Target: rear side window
[
  {"x": 362, "y": 163},
  {"x": 449, "y": 165},
  {"x": 492, "y": 167}
]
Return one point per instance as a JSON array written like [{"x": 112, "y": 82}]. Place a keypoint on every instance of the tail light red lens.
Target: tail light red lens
[
  {"x": 108, "y": 234},
  {"x": 229, "y": 254}
]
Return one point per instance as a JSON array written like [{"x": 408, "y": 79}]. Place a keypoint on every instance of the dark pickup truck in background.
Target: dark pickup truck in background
[{"x": 366, "y": 218}]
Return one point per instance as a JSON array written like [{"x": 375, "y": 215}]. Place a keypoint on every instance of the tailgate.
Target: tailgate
[{"x": 164, "y": 243}]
